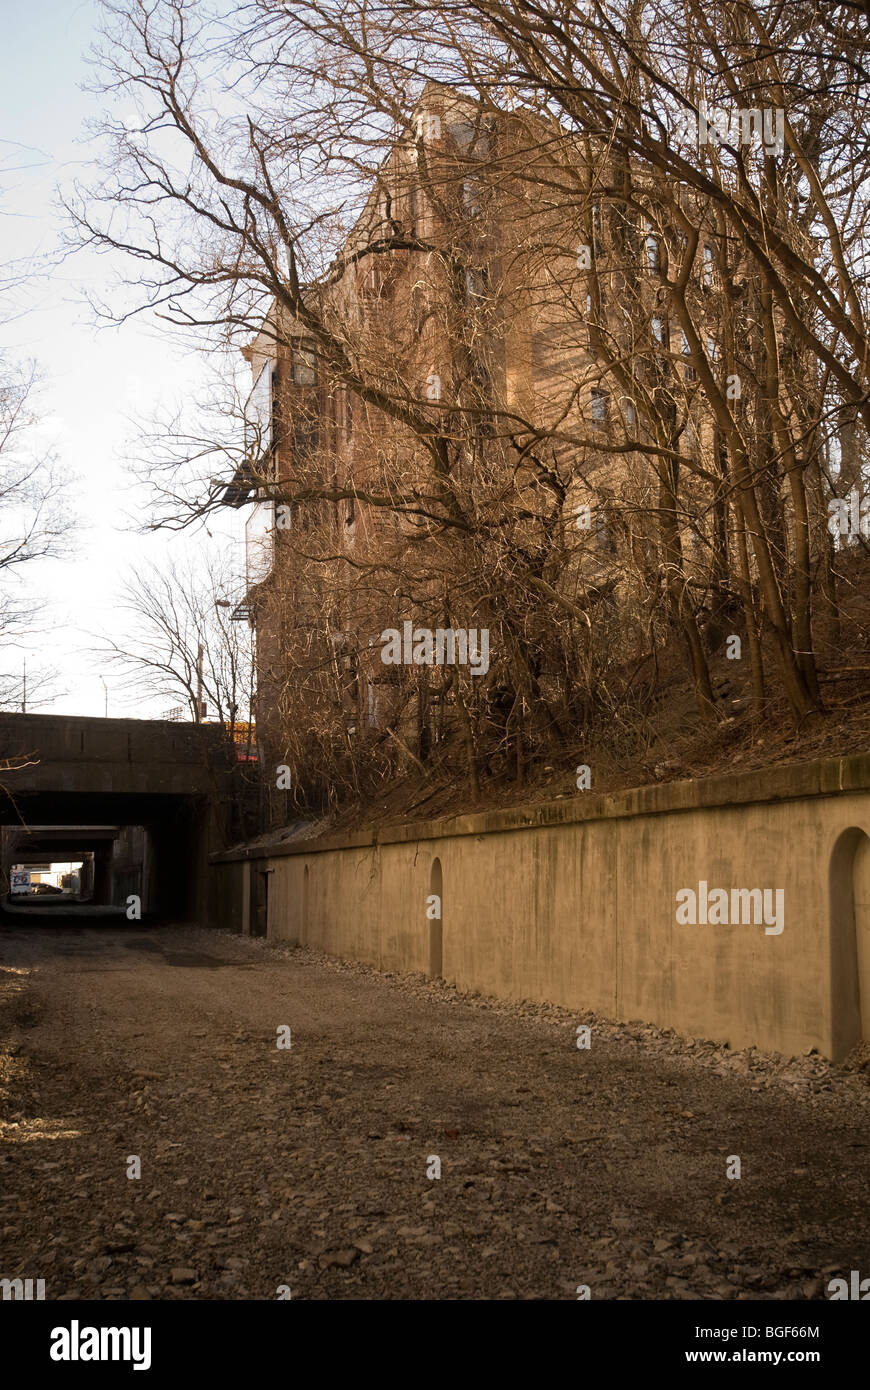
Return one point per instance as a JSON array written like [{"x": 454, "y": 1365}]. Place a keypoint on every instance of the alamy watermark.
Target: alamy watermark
[
  {"x": 849, "y": 515},
  {"x": 445, "y": 646},
  {"x": 743, "y": 907},
  {"x": 22, "y": 1290},
  {"x": 77, "y": 1343},
  {"x": 856, "y": 1289},
  {"x": 714, "y": 125}
]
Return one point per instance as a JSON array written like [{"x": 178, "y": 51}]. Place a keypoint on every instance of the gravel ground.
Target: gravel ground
[{"x": 306, "y": 1167}]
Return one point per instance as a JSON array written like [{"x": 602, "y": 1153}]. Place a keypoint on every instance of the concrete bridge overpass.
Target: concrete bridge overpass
[{"x": 147, "y": 799}]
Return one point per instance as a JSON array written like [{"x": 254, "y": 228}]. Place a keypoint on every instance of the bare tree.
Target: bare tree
[
  {"x": 534, "y": 282},
  {"x": 37, "y": 524},
  {"x": 183, "y": 641}
]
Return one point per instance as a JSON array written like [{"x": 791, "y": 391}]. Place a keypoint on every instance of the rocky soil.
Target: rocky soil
[{"x": 268, "y": 1169}]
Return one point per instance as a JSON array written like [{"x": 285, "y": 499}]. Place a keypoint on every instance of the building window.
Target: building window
[
  {"x": 303, "y": 366},
  {"x": 652, "y": 254},
  {"x": 370, "y": 284},
  {"x": 471, "y": 196},
  {"x": 707, "y": 267},
  {"x": 597, "y": 243},
  {"x": 599, "y": 408},
  {"x": 689, "y": 370},
  {"x": 476, "y": 283},
  {"x": 659, "y": 330},
  {"x": 603, "y": 538},
  {"x": 428, "y": 126},
  {"x": 343, "y": 412},
  {"x": 305, "y": 435}
]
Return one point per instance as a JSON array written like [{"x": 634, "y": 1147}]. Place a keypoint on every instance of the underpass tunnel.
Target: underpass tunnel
[
  {"x": 71, "y": 863},
  {"x": 178, "y": 860},
  {"x": 141, "y": 803},
  {"x": 154, "y": 865}
]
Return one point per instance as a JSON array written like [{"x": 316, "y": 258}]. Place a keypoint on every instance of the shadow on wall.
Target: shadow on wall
[{"x": 849, "y": 885}]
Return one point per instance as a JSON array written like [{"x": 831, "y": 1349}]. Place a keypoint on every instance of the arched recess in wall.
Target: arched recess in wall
[
  {"x": 849, "y": 888},
  {"x": 435, "y": 920}
]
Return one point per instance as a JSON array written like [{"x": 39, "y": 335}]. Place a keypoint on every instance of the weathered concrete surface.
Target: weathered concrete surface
[
  {"x": 576, "y": 903},
  {"x": 307, "y": 1167},
  {"x": 100, "y": 756}
]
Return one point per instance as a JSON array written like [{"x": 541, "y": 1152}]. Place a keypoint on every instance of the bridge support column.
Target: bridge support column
[
  {"x": 102, "y": 880},
  {"x": 86, "y": 882}
]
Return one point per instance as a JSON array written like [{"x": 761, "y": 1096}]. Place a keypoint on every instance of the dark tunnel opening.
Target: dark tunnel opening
[{"x": 138, "y": 858}]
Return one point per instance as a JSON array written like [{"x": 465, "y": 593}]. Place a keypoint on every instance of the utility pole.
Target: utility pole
[
  {"x": 199, "y": 656},
  {"x": 24, "y": 689},
  {"x": 106, "y": 705}
]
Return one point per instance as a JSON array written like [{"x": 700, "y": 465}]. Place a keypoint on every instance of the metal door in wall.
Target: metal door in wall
[{"x": 259, "y": 901}]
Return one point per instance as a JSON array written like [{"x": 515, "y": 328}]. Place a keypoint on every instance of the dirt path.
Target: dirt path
[{"x": 307, "y": 1167}]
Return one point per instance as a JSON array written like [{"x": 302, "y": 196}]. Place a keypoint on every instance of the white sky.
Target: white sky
[{"x": 96, "y": 378}]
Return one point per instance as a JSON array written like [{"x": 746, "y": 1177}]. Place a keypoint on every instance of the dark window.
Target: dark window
[{"x": 305, "y": 436}]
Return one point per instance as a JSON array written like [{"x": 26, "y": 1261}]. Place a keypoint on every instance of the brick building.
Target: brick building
[{"x": 501, "y": 297}]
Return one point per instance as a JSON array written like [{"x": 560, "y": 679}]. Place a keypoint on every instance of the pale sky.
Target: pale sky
[{"x": 96, "y": 378}]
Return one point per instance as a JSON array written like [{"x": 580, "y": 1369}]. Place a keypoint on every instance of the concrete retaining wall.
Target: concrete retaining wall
[{"x": 576, "y": 903}]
